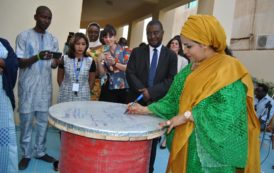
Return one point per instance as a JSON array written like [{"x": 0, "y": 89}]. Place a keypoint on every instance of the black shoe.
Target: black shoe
[
  {"x": 46, "y": 158},
  {"x": 55, "y": 165},
  {"x": 162, "y": 147},
  {"x": 24, "y": 163}
]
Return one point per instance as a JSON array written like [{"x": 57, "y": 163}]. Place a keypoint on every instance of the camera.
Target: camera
[{"x": 56, "y": 55}]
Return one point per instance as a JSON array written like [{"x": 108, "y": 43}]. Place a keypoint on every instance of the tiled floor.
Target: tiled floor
[{"x": 53, "y": 144}]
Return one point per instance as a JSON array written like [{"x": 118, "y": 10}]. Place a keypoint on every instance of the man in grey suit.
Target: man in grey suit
[{"x": 150, "y": 71}]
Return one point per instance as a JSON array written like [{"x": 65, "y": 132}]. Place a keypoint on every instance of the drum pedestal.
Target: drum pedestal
[{"x": 86, "y": 155}]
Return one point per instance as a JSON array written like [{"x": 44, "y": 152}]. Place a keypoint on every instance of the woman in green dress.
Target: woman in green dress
[{"x": 209, "y": 110}]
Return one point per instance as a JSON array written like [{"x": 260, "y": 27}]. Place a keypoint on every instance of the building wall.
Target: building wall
[
  {"x": 16, "y": 16},
  {"x": 260, "y": 64},
  {"x": 167, "y": 19},
  {"x": 181, "y": 15},
  {"x": 251, "y": 19},
  {"x": 119, "y": 33},
  {"x": 173, "y": 20},
  {"x": 136, "y": 33},
  {"x": 224, "y": 11}
]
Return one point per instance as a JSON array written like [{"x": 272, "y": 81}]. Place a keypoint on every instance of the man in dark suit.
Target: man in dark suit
[{"x": 150, "y": 71}]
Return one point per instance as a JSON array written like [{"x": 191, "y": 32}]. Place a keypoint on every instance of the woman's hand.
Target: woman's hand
[
  {"x": 176, "y": 121},
  {"x": 137, "y": 109},
  {"x": 110, "y": 60}
]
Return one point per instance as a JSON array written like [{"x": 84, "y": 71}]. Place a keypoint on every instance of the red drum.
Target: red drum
[{"x": 97, "y": 137}]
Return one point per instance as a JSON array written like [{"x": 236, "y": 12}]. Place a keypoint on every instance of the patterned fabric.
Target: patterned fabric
[
  {"x": 66, "y": 93},
  {"x": 221, "y": 138},
  {"x": 163, "y": 108},
  {"x": 117, "y": 78},
  {"x": 8, "y": 145},
  {"x": 206, "y": 143},
  {"x": 35, "y": 82},
  {"x": 96, "y": 90},
  {"x": 94, "y": 53}
]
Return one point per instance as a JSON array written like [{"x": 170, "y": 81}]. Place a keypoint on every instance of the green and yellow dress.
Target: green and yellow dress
[
  {"x": 225, "y": 132},
  {"x": 95, "y": 53}
]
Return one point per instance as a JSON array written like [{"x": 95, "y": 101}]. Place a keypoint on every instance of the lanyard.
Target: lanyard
[{"x": 77, "y": 70}]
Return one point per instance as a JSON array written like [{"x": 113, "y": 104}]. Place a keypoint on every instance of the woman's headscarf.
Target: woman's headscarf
[
  {"x": 97, "y": 42},
  {"x": 206, "y": 30}
]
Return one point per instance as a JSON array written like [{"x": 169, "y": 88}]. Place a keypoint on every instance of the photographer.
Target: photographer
[
  {"x": 263, "y": 104},
  {"x": 34, "y": 49}
]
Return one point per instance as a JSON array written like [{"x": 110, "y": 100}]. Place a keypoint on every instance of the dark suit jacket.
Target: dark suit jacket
[{"x": 138, "y": 69}]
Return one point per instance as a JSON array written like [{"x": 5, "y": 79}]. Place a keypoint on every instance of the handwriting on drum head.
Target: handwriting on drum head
[{"x": 97, "y": 118}]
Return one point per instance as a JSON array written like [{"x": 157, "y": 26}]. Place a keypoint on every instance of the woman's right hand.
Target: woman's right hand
[{"x": 137, "y": 109}]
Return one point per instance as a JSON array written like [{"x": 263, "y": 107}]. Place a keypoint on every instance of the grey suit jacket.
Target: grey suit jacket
[{"x": 138, "y": 69}]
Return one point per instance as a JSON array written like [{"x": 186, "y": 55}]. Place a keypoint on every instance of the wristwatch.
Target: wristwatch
[{"x": 187, "y": 114}]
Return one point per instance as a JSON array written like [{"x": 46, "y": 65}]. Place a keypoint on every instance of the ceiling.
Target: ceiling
[
  {"x": 120, "y": 12},
  {"x": 102, "y": 11}
]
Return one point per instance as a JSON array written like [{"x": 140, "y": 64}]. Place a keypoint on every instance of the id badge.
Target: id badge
[{"x": 75, "y": 87}]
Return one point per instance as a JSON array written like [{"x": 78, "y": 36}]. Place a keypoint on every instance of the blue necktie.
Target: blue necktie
[{"x": 153, "y": 67}]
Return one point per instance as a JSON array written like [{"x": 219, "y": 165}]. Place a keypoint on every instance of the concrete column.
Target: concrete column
[
  {"x": 223, "y": 10},
  {"x": 206, "y": 7},
  {"x": 136, "y": 33},
  {"x": 167, "y": 19},
  {"x": 119, "y": 33},
  {"x": 129, "y": 35},
  {"x": 156, "y": 13},
  {"x": 173, "y": 20}
]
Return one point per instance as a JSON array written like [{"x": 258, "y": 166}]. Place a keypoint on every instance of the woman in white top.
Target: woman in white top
[{"x": 175, "y": 44}]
